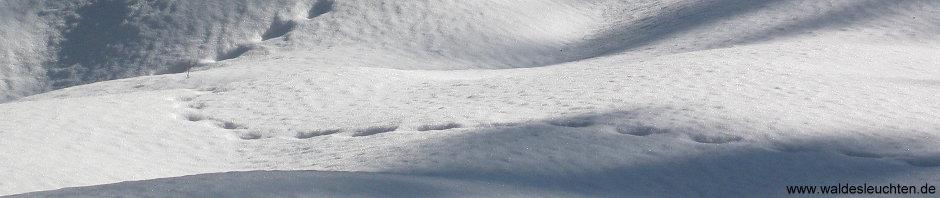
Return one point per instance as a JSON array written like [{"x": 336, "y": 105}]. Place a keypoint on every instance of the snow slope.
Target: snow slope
[
  {"x": 712, "y": 98},
  {"x": 55, "y": 44}
]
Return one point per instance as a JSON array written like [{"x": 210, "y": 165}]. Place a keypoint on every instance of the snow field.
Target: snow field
[{"x": 712, "y": 98}]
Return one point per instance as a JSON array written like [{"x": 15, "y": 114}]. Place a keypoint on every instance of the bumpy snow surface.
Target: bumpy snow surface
[{"x": 451, "y": 98}]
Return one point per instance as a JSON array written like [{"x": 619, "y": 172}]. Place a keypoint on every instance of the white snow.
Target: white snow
[{"x": 366, "y": 98}]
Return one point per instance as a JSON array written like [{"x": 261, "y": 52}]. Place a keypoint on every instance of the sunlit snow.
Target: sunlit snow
[{"x": 450, "y": 98}]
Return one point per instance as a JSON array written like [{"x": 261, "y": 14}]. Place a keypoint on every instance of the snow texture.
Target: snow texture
[{"x": 529, "y": 98}]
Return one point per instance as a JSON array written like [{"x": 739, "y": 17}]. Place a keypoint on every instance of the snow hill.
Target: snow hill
[{"x": 523, "y": 98}]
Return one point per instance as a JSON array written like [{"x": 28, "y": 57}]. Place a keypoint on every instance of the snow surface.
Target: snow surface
[{"x": 366, "y": 98}]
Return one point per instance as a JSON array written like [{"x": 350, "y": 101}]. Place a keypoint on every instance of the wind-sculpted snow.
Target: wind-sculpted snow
[
  {"x": 556, "y": 98},
  {"x": 54, "y": 44}
]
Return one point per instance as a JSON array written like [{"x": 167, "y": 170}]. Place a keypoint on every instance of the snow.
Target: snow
[{"x": 710, "y": 98}]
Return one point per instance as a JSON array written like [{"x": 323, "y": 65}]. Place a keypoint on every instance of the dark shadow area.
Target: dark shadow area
[
  {"x": 266, "y": 184},
  {"x": 234, "y": 53},
  {"x": 179, "y": 67},
  {"x": 88, "y": 43},
  {"x": 683, "y": 17},
  {"x": 667, "y": 21},
  {"x": 675, "y": 19},
  {"x": 438, "y": 127},
  {"x": 855, "y": 11},
  {"x": 590, "y": 161},
  {"x": 320, "y": 8},
  {"x": 278, "y": 28},
  {"x": 110, "y": 39}
]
